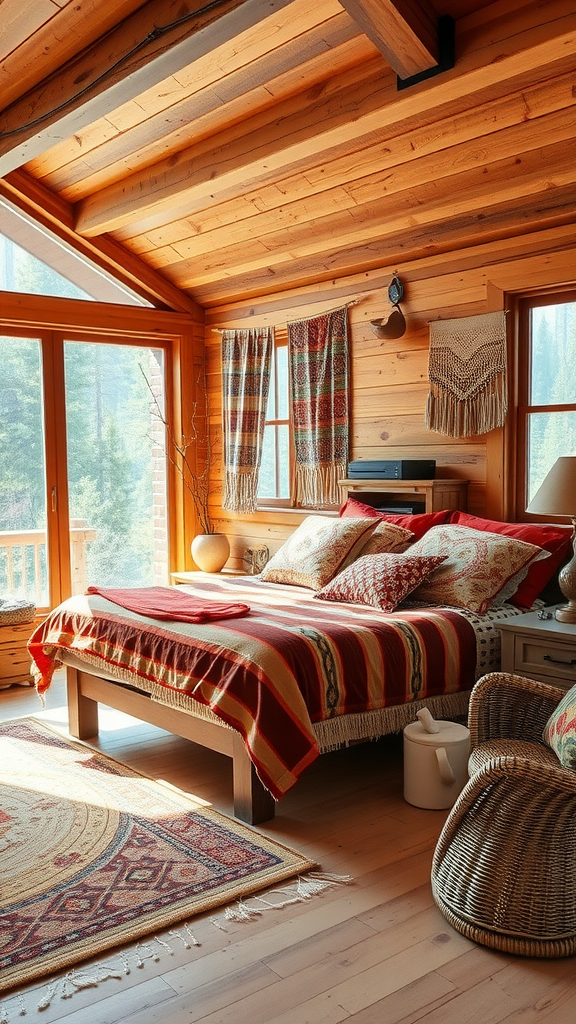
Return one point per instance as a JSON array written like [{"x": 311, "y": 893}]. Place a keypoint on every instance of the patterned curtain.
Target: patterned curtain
[
  {"x": 319, "y": 375},
  {"x": 246, "y": 363}
]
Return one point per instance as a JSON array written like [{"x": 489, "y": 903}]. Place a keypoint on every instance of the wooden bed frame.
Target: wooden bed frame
[{"x": 253, "y": 803}]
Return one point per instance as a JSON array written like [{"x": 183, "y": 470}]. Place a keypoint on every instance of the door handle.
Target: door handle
[{"x": 54, "y": 499}]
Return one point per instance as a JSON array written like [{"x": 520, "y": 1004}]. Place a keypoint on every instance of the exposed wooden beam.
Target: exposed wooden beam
[
  {"x": 130, "y": 59},
  {"x": 379, "y": 216},
  {"x": 214, "y": 99},
  {"x": 407, "y": 164},
  {"x": 452, "y": 232},
  {"x": 55, "y": 214},
  {"x": 261, "y": 148},
  {"x": 39, "y": 36},
  {"x": 405, "y": 31},
  {"x": 304, "y": 196}
]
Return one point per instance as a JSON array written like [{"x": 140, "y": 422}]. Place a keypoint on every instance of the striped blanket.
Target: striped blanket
[{"x": 293, "y": 661}]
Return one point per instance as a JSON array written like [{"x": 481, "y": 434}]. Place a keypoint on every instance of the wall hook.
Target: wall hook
[{"x": 395, "y": 325}]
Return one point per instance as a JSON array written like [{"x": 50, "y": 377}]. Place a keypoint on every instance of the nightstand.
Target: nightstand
[
  {"x": 14, "y": 657},
  {"x": 195, "y": 574},
  {"x": 543, "y": 649}
]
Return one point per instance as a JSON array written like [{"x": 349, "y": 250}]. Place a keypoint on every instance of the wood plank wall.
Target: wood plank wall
[{"x": 389, "y": 378}]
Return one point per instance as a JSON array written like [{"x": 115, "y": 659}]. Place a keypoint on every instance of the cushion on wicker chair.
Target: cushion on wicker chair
[{"x": 560, "y": 730}]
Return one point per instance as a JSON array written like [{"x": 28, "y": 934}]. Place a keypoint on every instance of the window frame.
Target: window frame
[
  {"x": 522, "y": 408},
  {"x": 264, "y": 502},
  {"x": 54, "y": 320}
]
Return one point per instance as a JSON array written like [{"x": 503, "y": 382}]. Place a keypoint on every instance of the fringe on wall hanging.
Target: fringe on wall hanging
[{"x": 467, "y": 374}]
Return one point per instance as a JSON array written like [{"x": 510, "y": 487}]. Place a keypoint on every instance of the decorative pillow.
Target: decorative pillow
[
  {"x": 382, "y": 581},
  {"x": 555, "y": 539},
  {"x": 418, "y": 524},
  {"x": 386, "y": 538},
  {"x": 478, "y": 567},
  {"x": 357, "y": 509},
  {"x": 316, "y": 551},
  {"x": 560, "y": 730}
]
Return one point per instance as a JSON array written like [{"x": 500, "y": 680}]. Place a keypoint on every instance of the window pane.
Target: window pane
[
  {"x": 550, "y": 435},
  {"x": 116, "y": 465},
  {"x": 274, "y": 477},
  {"x": 267, "y": 475},
  {"x": 553, "y": 334},
  {"x": 33, "y": 260},
  {"x": 282, "y": 354},
  {"x": 23, "y": 565},
  {"x": 283, "y": 442}
]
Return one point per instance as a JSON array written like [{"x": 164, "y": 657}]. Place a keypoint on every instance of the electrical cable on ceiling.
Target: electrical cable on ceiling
[{"x": 156, "y": 33}]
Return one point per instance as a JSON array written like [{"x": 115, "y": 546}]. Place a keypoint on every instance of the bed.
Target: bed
[
  {"x": 352, "y": 627},
  {"x": 294, "y": 678}
]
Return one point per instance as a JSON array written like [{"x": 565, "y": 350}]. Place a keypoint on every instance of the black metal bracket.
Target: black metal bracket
[{"x": 446, "y": 54}]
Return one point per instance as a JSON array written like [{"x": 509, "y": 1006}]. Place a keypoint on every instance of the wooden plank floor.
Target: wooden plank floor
[{"x": 376, "y": 951}]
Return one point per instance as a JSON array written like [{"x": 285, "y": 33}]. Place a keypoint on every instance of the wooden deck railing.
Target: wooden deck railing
[{"x": 23, "y": 566}]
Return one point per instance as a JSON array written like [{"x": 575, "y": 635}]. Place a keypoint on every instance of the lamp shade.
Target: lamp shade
[{"x": 556, "y": 495}]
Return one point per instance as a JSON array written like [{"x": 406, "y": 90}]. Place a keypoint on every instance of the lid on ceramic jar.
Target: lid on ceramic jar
[{"x": 430, "y": 732}]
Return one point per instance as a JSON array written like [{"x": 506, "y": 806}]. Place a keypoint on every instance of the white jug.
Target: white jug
[{"x": 435, "y": 761}]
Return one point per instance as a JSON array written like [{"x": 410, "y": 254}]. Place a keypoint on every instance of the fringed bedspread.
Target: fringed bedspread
[{"x": 293, "y": 667}]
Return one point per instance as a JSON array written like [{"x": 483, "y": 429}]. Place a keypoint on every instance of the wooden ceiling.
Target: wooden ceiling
[{"x": 260, "y": 145}]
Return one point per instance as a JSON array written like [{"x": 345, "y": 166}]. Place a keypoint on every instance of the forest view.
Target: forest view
[
  {"x": 115, "y": 451},
  {"x": 552, "y": 382}
]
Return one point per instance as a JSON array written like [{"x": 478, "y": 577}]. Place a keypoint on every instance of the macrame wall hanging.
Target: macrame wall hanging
[{"x": 467, "y": 374}]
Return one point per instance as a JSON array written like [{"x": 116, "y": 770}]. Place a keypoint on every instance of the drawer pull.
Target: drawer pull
[{"x": 559, "y": 661}]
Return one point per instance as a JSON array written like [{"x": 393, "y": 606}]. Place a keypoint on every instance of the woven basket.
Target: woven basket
[{"x": 14, "y": 611}]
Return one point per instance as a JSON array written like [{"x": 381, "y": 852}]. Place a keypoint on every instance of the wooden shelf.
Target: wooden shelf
[{"x": 436, "y": 494}]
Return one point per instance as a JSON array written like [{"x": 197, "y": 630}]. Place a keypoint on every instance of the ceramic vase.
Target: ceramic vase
[{"x": 210, "y": 551}]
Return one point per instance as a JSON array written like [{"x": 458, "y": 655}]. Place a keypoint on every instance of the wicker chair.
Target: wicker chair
[{"x": 504, "y": 868}]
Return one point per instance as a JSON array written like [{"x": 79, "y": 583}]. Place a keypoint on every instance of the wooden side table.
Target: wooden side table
[
  {"x": 436, "y": 494},
  {"x": 543, "y": 649}
]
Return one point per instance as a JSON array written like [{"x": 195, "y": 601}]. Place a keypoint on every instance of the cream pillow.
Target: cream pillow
[
  {"x": 480, "y": 567},
  {"x": 316, "y": 550},
  {"x": 387, "y": 537}
]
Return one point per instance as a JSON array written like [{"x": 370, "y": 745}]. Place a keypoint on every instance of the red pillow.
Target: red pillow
[
  {"x": 555, "y": 539},
  {"x": 418, "y": 524}
]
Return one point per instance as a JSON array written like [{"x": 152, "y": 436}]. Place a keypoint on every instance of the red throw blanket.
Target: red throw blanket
[{"x": 170, "y": 603}]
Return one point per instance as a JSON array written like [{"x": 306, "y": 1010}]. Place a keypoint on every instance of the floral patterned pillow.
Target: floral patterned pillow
[
  {"x": 560, "y": 730},
  {"x": 382, "y": 581},
  {"x": 316, "y": 551},
  {"x": 480, "y": 567}
]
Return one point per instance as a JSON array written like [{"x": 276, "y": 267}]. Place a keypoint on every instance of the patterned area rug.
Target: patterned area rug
[{"x": 95, "y": 855}]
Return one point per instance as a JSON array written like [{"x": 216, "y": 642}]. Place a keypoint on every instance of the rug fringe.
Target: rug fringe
[
  {"x": 74, "y": 981},
  {"x": 303, "y": 888}
]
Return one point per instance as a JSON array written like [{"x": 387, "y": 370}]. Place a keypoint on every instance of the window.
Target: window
[
  {"x": 276, "y": 466},
  {"x": 83, "y": 475},
  {"x": 546, "y": 424},
  {"x": 35, "y": 261}
]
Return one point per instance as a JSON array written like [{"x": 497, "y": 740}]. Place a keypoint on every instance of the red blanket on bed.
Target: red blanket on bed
[{"x": 170, "y": 603}]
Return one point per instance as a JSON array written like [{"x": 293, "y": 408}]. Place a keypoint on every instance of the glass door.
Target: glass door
[
  {"x": 116, "y": 459},
  {"x": 23, "y": 538}
]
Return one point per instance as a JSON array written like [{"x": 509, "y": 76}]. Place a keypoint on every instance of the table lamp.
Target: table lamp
[{"x": 556, "y": 496}]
